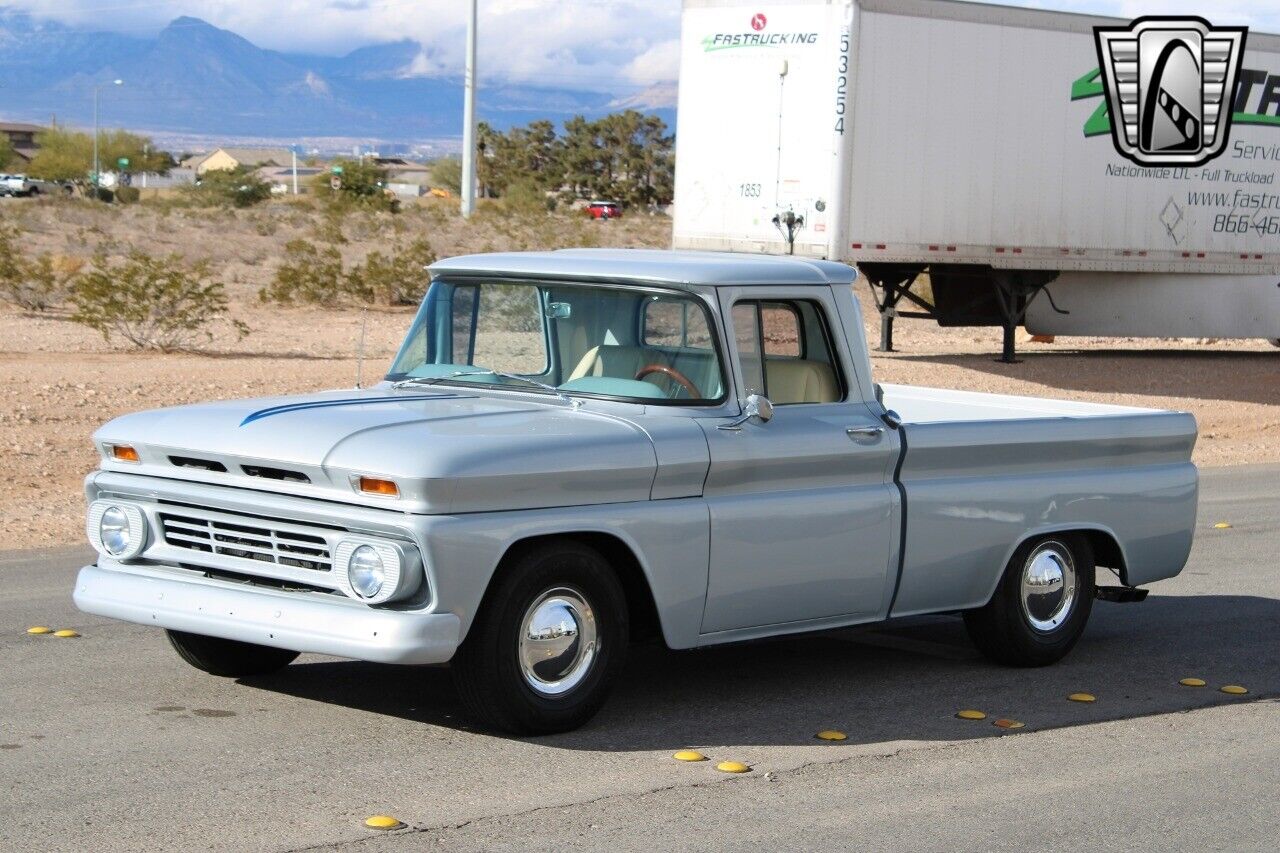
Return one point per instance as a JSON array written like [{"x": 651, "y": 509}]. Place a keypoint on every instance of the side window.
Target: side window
[
  {"x": 675, "y": 324},
  {"x": 781, "y": 330},
  {"x": 786, "y": 353}
]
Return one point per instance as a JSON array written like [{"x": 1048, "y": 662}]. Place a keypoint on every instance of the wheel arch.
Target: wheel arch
[
  {"x": 1108, "y": 552},
  {"x": 622, "y": 556}
]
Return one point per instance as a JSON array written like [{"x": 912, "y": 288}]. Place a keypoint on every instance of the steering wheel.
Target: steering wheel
[{"x": 672, "y": 374}]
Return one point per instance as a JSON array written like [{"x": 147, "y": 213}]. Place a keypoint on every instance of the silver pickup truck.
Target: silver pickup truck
[{"x": 574, "y": 449}]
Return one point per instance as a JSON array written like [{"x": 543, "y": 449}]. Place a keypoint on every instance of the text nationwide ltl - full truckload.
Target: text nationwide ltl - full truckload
[{"x": 974, "y": 144}]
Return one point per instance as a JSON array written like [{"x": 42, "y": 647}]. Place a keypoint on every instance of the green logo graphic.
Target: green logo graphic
[{"x": 1099, "y": 122}]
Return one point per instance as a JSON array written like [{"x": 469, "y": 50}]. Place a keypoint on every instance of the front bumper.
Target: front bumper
[{"x": 266, "y": 617}]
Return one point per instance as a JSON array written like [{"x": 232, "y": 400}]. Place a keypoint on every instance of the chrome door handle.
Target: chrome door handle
[{"x": 863, "y": 432}]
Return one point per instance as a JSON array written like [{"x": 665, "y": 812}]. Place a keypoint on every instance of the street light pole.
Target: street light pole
[
  {"x": 97, "y": 171},
  {"x": 469, "y": 119}
]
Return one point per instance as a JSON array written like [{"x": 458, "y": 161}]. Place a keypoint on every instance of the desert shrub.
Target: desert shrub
[
  {"x": 35, "y": 284},
  {"x": 128, "y": 195},
  {"x": 314, "y": 274},
  {"x": 308, "y": 273},
  {"x": 103, "y": 194},
  {"x": 398, "y": 279},
  {"x": 153, "y": 302},
  {"x": 239, "y": 187}
]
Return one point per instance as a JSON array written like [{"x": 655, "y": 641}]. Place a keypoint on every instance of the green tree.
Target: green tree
[
  {"x": 447, "y": 174},
  {"x": 67, "y": 155},
  {"x": 362, "y": 182}
]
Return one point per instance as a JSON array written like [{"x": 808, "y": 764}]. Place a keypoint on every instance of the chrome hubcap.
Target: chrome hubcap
[
  {"x": 558, "y": 641},
  {"x": 1048, "y": 586}
]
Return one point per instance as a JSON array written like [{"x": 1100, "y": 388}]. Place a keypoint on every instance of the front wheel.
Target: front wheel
[
  {"x": 547, "y": 643},
  {"x": 229, "y": 658},
  {"x": 1041, "y": 606}
]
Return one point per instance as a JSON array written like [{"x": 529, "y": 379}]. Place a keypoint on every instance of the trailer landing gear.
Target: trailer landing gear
[{"x": 963, "y": 295}]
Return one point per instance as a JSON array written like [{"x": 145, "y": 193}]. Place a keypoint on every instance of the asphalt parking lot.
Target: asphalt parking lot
[{"x": 109, "y": 742}]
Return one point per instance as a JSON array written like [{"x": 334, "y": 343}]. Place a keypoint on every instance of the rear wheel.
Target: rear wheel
[
  {"x": 547, "y": 644},
  {"x": 228, "y": 658},
  {"x": 1042, "y": 604}
]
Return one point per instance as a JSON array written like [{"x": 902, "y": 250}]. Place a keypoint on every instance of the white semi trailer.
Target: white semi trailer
[{"x": 971, "y": 142}]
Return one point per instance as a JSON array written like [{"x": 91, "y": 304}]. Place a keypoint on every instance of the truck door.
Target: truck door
[{"x": 802, "y": 507}]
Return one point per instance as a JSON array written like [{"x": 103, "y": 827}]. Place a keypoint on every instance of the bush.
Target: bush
[
  {"x": 308, "y": 274},
  {"x": 128, "y": 195},
  {"x": 314, "y": 275},
  {"x": 103, "y": 194},
  {"x": 361, "y": 184},
  {"x": 400, "y": 279},
  {"x": 240, "y": 187},
  {"x": 33, "y": 285},
  {"x": 152, "y": 302}
]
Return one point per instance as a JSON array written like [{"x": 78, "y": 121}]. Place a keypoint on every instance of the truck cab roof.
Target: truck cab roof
[{"x": 650, "y": 266}]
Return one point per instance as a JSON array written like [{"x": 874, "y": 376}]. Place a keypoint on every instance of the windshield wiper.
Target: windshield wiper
[{"x": 432, "y": 380}]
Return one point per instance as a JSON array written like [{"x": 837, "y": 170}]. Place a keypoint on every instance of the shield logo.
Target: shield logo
[{"x": 1169, "y": 83}]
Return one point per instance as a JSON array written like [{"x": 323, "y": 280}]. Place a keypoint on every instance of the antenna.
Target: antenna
[{"x": 364, "y": 322}]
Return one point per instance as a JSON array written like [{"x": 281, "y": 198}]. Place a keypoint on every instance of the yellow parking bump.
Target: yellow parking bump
[
  {"x": 39, "y": 629},
  {"x": 732, "y": 767},
  {"x": 1003, "y": 723},
  {"x": 66, "y": 632},
  {"x": 689, "y": 755},
  {"x": 831, "y": 734},
  {"x": 1234, "y": 689},
  {"x": 1191, "y": 682},
  {"x": 383, "y": 822},
  {"x": 970, "y": 714},
  {"x": 1082, "y": 697},
  {"x": 1222, "y": 525}
]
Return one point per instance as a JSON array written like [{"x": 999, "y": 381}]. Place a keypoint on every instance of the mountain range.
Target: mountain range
[{"x": 194, "y": 78}]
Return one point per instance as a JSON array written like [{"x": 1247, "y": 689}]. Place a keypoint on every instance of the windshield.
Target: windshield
[{"x": 619, "y": 343}]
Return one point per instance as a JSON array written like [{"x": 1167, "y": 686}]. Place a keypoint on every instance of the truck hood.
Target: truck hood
[{"x": 447, "y": 450}]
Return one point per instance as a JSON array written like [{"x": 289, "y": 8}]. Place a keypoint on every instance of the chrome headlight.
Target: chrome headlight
[
  {"x": 117, "y": 530},
  {"x": 376, "y": 571},
  {"x": 366, "y": 572}
]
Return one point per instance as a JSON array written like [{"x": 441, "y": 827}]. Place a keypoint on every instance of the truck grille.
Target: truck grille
[{"x": 254, "y": 540}]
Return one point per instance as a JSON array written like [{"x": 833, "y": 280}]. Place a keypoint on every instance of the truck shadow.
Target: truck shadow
[
  {"x": 1247, "y": 377},
  {"x": 879, "y": 684}
]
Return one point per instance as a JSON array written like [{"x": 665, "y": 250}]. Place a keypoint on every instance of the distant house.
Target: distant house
[
  {"x": 227, "y": 159},
  {"x": 402, "y": 171},
  {"x": 22, "y": 137}
]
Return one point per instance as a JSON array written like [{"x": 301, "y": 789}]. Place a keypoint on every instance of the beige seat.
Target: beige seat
[
  {"x": 800, "y": 381},
  {"x": 616, "y": 361}
]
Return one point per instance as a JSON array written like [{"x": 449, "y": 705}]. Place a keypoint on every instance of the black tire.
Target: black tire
[
  {"x": 228, "y": 658},
  {"x": 487, "y": 667},
  {"x": 1003, "y": 629}
]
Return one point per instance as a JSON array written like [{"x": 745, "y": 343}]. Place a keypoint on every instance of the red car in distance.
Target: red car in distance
[{"x": 604, "y": 209}]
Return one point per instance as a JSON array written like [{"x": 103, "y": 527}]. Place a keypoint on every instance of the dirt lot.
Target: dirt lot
[{"x": 59, "y": 381}]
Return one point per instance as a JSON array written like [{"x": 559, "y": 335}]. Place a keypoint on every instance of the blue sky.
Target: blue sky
[{"x": 590, "y": 44}]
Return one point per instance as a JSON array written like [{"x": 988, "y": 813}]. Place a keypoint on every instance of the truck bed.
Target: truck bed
[{"x": 982, "y": 471}]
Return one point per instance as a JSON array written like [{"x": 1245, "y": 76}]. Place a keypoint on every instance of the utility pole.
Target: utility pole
[
  {"x": 97, "y": 172},
  {"x": 469, "y": 119}
]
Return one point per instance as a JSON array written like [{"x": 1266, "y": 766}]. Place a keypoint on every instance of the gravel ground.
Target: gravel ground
[{"x": 59, "y": 381}]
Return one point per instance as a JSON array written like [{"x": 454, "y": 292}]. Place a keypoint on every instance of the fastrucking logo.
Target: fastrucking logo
[
  {"x": 1169, "y": 83},
  {"x": 757, "y": 38}
]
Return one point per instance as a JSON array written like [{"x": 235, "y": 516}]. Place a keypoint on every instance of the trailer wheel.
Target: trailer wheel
[
  {"x": 229, "y": 658},
  {"x": 547, "y": 643},
  {"x": 1041, "y": 606}
]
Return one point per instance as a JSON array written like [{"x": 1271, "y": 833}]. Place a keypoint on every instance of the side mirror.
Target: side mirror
[{"x": 755, "y": 406}]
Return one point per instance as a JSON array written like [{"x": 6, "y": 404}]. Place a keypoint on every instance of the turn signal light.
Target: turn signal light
[
  {"x": 374, "y": 486},
  {"x": 124, "y": 453}
]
